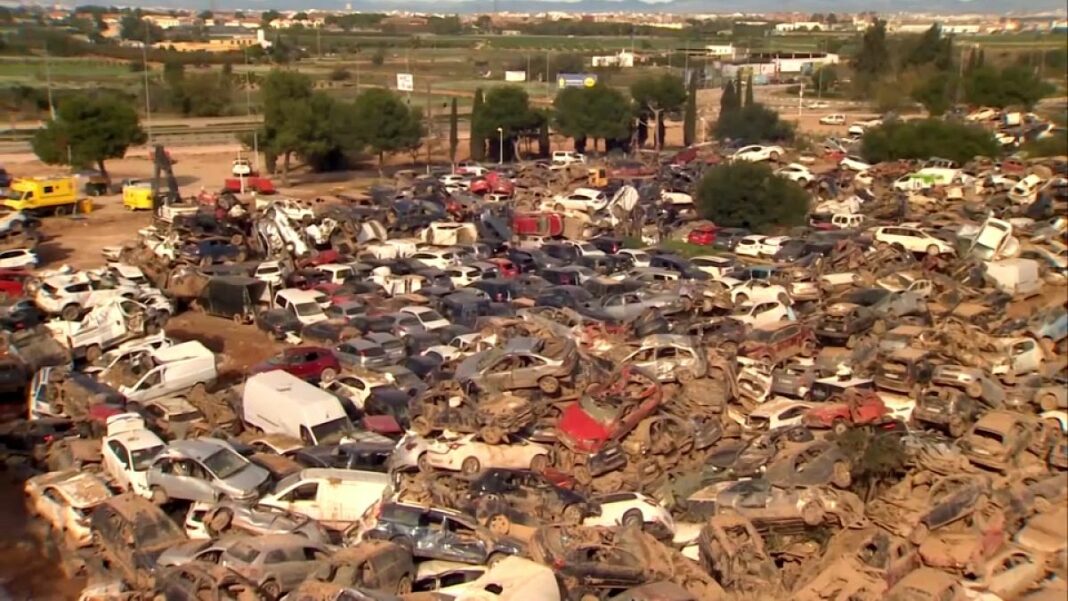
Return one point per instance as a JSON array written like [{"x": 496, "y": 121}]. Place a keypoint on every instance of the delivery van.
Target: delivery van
[
  {"x": 43, "y": 195},
  {"x": 1018, "y": 277},
  {"x": 336, "y": 498},
  {"x": 171, "y": 371},
  {"x": 278, "y": 402}
]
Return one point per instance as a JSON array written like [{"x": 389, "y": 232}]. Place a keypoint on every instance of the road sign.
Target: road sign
[
  {"x": 576, "y": 80},
  {"x": 405, "y": 82}
]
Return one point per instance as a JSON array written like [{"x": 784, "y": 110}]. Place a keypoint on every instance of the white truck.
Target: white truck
[
  {"x": 171, "y": 371},
  {"x": 106, "y": 326}
]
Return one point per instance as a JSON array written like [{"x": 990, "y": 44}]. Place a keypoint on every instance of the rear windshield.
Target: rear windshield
[{"x": 243, "y": 552}]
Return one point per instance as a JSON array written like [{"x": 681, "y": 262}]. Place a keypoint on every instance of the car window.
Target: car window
[
  {"x": 304, "y": 492},
  {"x": 275, "y": 556}
]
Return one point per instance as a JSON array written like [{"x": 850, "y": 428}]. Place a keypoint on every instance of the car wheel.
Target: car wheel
[
  {"x": 974, "y": 389},
  {"x": 471, "y": 466},
  {"x": 841, "y": 476},
  {"x": 499, "y": 524},
  {"x": 328, "y": 374},
  {"x": 812, "y": 514},
  {"x": 1048, "y": 401},
  {"x": 632, "y": 517},
  {"x": 808, "y": 348},
  {"x": 92, "y": 354},
  {"x": 159, "y": 496},
  {"x": 741, "y": 299},
  {"x": 423, "y": 462},
  {"x": 271, "y": 590},
  {"x": 539, "y": 463},
  {"x": 404, "y": 585},
  {"x": 71, "y": 312},
  {"x": 491, "y": 434},
  {"x": 840, "y": 426},
  {"x": 559, "y": 208},
  {"x": 495, "y": 558},
  {"x": 919, "y": 533},
  {"x": 932, "y": 250},
  {"x": 573, "y": 515},
  {"x": 549, "y": 385},
  {"x": 774, "y": 156}
]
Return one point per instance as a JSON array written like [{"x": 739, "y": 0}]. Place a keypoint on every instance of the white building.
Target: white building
[
  {"x": 799, "y": 26},
  {"x": 624, "y": 59},
  {"x": 725, "y": 51}
]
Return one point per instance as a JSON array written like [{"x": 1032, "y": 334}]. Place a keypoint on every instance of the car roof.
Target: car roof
[{"x": 195, "y": 448}]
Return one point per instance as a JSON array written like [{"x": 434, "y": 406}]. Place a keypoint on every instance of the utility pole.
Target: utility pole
[
  {"x": 429, "y": 125},
  {"x": 48, "y": 77},
  {"x": 248, "y": 107},
  {"x": 319, "y": 42},
  {"x": 548, "y": 82}
]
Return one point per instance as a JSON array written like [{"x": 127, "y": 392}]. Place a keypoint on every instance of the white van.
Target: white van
[
  {"x": 173, "y": 370},
  {"x": 1025, "y": 191},
  {"x": 566, "y": 157},
  {"x": 846, "y": 221},
  {"x": 304, "y": 304},
  {"x": 278, "y": 402},
  {"x": 336, "y": 498},
  {"x": 1018, "y": 277}
]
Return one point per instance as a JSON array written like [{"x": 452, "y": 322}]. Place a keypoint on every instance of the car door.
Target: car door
[
  {"x": 117, "y": 463},
  {"x": 301, "y": 498},
  {"x": 183, "y": 479}
]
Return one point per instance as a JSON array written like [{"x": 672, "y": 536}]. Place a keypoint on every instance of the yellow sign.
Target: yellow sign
[{"x": 589, "y": 82}]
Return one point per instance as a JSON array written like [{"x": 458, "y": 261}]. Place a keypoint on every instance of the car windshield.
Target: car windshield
[
  {"x": 307, "y": 309},
  {"x": 270, "y": 270},
  {"x": 142, "y": 457},
  {"x": 761, "y": 335},
  {"x": 185, "y": 417},
  {"x": 333, "y": 431},
  {"x": 430, "y": 315},
  {"x": 600, "y": 412},
  {"x": 243, "y": 552},
  {"x": 225, "y": 463},
  {"x": 13, "y": 195}
]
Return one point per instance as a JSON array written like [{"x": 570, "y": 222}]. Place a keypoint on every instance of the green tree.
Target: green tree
[
  {"x": 689, "y": 118},
  {"x": 477, "y": 149},
  {"x": 386, "y": 124},
  {"x": 878, "y": 458},
  {"x": 749, "y": 90},
  {"x": 1012, "y": 86},
  {"x": 379, "y": 57},
  {"x": 281, "y": 92},
  {"x": 88, "y": 130},
  {"x": 728, "y": 101},
  {"x": 934, "y": 93},
  {"x": 206, "y": 95},
  {"x": 825, "y": 79},
  {"x": 749, "y": 195},
  {"x": 268, "y": 17},
  {"x": 507, "y": 108},
  {"x": 205, "y": 15},
  {"x": 752, "y": 124},
  {"x": 300, "y": 16},
  {"x": 599, "y": 112},
  {"x": 657, "y": 95},
  {"x": 931, "y": 49},
  {"x": 454, "y": 132},
  {"x": 926, "y": 138},
  {"x": 873, "y": 59},
  {"x": 132, "y": 27}
]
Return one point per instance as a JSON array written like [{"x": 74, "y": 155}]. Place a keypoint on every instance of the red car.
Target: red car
[
  {"x": 12, "y": 282},
  {"x": 854, "y": 408},
  {"x": 608, "y": 413},
  {"x": 253, "y": 183},
  {"x": 492, "y": 183},
  {"x": 703, "y": 235},
  {"x": 538, "y": 224},
  {"x": 309, "y": 363},
  {"x": 505, "y": 268}
]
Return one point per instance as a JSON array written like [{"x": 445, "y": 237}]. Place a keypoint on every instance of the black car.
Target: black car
[
  {"x": 364, "y": 456},
  {"x": 528, "y": 285},
  {"x": 565, "y": 253},
  {"x": 604, "y": 264},
  {"x": 382, "y": 323},
  {"x": 326, "y": 333},
  {"x": 530, "y": 259},
  {"x": 278, "y": 323},
  {"x": 570, "y": 297},
  {"x": 675, "y": 263},
  {"x": 498, "y": 290},
  {"x": 524, "y": 497},
  {"x": 441, "y": 534},
  {"x": 607, "y": 244},
  {"x": 5, "y": 179},
  {"x": 727, "y": 238},
  {"x": 722, "y": 333},
  {"x": 212, "y": 250}
]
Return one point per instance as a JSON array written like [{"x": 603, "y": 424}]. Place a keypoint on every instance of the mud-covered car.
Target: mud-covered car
[
  {"x": 521, "y": 363},
  {"x": 794, "y": 378},
  {"x": 842, "y": 324},
  {"x": 201, "y": 581},
  {"x": 975, "y": 382},
  {"x": 926, "y": 584},
  {"x": 906, "y": 371},
  {"x": 374, "y": 564},
  {"x": 448, "y": 407},
  {"x": 854, "y": 408},
  {"x": 671, "y": 357},
  {"x": 433, "y": 533},
  {"x": 818, "y": 463},
  {"x": 131, "y": 533},
  {"x": 228, "y": 517},
  {"x": 779, "y": 342},
  {"x": 65, "y": 500},
  {"x": 731, "y": 549},
  {"x": 277, "y": 563},
  {"x": 867, "y": 555},
  {"x": 767, "y": 505},
  {"x": 500, "y": 497},
  {"x": 947, "y": 408},
  {"x": 1001, "y": 440},
  {"x": 924, "y": 502}
]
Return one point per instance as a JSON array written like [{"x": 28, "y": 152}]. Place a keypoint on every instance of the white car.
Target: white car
[
  {"x": 715, "y": 266},
  {"x": 129, "y": 448},
  {"x": 468, "y": 455},
  {"x": 462, "y": 346},
  {"x": 771, "y": 245},
  {"x": 757, "y": 153},
  {"x": 293, "y": 209},
  {"x": 776, "y": 413},
  {"x": 836, "y": 119},
  {"x": 441, "y": 258},
  {"x": 907, "y": 282},
  {"x": 65, "y": 500},
  {"x": 455, "y": 179},
  {"x": 912, "y": 239},
  {"x": 854, "y": 163},
  {"x": 758, "y": 291},
  {"x": 796, "y": 172},
  {"x": 241, "y": 168},
  {"x": 567, "y": 157},
  {"x": 470, "y": 168},
  {"x": 983, "y": 114},
  {"x": 863, "y": 179},
  {"x": 18, "y": 258},
  {"x": 632, "y": 509},
  {"x": 68, "y": 295},
  {"x": 762, "y": 314},
  {"x": 583, "y": 200},
  {"x": 749, "y": 246},
  {"x": 270, "y": 272},
  {"x": 463, "y": 275},
  {"x": 429, "y": 318},
  {"x": 640, "y": 257},
  {"x": 357, "y": 385}
]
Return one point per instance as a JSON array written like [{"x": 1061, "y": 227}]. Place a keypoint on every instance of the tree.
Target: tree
[
  {"x": 300, "y": 16},
  {"x": 379, "y": 57},
  {"x": 281, "y": 91},
  {"x": 934, "y": 93},
  {"x": 268, "y": 17},
  {"x": 873, "y": 59},
  {"x": 752, "y": 124},
  {"x": 926, "y": 138},
  {"x": 132, "y": 27},
  {"x": 749, "y": 195},
  {"x": 655, "y": 95},
  {"x": 507, "y": 108},
  {"x": 689, "y": 119},
  {"x": 206, "y": 15},
  {"x": 88, "y": 130},
  {"x": 749, "y": 90},
  {"x": 477, "y": 150},
  {"x": 599, "y": 112},
  {"x": 728, "y": 101},
  {"x": 1012, "y": 86},
  {"x": 825, "y": 79},
  {"x": 931, "y": 49},
  {"x": 386, "y": 124},
  {"x": 454, "y": 132},
  {"x": 879, "y": 457}
]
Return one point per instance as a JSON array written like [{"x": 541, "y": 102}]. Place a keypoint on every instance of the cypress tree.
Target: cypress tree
[
  {"x": 749, "y": 90},
  {"x": 689, "y": 121},
  {"x": 478, "y": 143},
  {"x": 729, "y": 99},
  {"x": 454, "y": 132}
]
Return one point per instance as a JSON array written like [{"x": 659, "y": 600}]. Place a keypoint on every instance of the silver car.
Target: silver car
[
  {"x": 204, "y": 469},
  {"x": 228, "y": 516},
  {"x": 670, "y": 356},
  {"x": 393, "y": 346},
  {"x": 361, "y": 352},
  {"x": 629, "y": 305},
  {"x": 277, "y": 563}
]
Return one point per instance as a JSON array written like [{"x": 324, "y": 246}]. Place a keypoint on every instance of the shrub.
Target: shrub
[
  {"x": 752, "y": 124},
  {"x": 749, "y": 195},
  {"x": 926, "y": 138}
]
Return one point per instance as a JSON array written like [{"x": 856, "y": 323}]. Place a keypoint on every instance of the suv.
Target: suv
[
  {"x": 439, "y": 534},
  {"x": 310, "y": 363},
  {"x": 131, "y": 534},
  {"x": 777, "y": 342},
  {"x": 844, "y": 323}
]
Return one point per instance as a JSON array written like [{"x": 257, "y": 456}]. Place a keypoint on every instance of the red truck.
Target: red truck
[{"x": 854, "y": 408}]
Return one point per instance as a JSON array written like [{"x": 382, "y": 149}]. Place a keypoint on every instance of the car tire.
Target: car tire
[
  {"x": 404, "y": 585},
  {"x": 539, "y": 463},
  {"x": 71, "y": 312},
  {"x": 932, "y": 250},
  {"x": 632, "y": 517},
  {"x": 93, "y": 353},
  {"x": 774, "y": 156},
  {"x": 549, "y": 385},
  {"x": 812, "y": 514},
  {"x": 471, "y": 466},
  {"x": 220, "y": 521},
  {"x": 741, "y": 299},
  {"x": 159, "y": 496},
  {"x": 499, "y": 524},
  {"x": 974, "y": 389},
  {"x": 327, "y": 374},
  {"x": 919, "y": 533},
  {"x": 495, "y": 558},
  {"x": 271, "y": 590},
  {"x": 491, "y": 434},
  {"x": 423, "y": 463},
  {"x": 840, "y": 426},
  {"x": 573, "y": 515},
  {"x": 841, "y": 477}
]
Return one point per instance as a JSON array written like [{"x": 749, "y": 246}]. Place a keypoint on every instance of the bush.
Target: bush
[
  {"x": 752, "y": 124},
  {"x": 1053, "y": 146},
  {"x": 749, "y": 195},
  {"x": 340, "y": 74},
  {"x": 926, "y": 138}
]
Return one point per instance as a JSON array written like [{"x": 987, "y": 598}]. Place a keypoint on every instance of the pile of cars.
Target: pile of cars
[{"x": 480, "y": 393}]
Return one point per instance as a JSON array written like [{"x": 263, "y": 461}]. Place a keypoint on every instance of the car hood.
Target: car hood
[{"x": 579, "y": 430}]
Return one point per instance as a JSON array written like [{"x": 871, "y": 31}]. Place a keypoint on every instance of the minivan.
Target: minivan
[
  {"x": 336, "y": 498},
  {"x": 173, "y": 370}
]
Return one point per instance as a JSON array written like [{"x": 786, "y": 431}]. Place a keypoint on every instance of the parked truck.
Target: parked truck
[
  {"x": 106, "y": 326},
  {"x": 43, "y": 195}
]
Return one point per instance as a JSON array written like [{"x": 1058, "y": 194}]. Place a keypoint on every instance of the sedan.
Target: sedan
[
  {"x": 757, "y": 153},
  {"x": 771, "y": 245},
  {"x": 796, "y": 172},
  {"x": 749, "y": 246},
  {"x": 18, "y": 258},
  {"x": 854, "y": 163},
  {"x": 65, "y": 500},
  {"x": 470, "y": 456}
]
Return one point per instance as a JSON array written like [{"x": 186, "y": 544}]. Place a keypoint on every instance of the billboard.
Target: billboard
[
  {"x": 576, "y": 80},
  {"x": 405, "y": 82},
  {"x": 515, "y": 76}
]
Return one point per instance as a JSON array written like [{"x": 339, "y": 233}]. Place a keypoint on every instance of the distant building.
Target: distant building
[
  {"x": 799, "y": 26},
  {"x": 624, "y": 59},
  {"x": 164, "y": 21},
  {"x": 773, "y": 65},
  {"x": 723, "y": 51}
]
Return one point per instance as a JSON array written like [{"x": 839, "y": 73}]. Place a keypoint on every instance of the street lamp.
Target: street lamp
[{"x": 500, "y": 146}]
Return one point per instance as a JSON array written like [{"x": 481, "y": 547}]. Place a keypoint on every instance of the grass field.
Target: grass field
[{"x": 13, "y": 71}]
